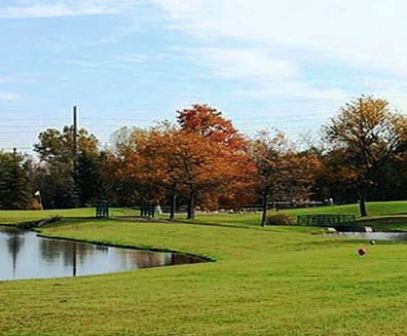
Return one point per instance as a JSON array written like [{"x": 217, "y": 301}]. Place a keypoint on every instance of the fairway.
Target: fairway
[{"x": 272, "y": 281}]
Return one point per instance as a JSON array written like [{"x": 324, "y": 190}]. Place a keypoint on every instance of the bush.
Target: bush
[{"x": 280, "y": 219}]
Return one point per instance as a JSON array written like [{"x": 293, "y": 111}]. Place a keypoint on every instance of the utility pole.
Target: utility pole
[
  {"x": 75, "y": 190},
  {"x": 75, "y": 137}
]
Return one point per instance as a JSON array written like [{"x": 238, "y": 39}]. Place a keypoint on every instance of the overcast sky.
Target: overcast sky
[{"x": 285, "y": 64}]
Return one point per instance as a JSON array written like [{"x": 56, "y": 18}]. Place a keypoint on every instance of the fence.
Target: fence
[{"x": 326, "y": 220}]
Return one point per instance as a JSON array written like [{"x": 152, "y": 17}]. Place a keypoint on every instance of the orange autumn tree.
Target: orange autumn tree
[
  {"x": 148, "y": 161},
  {"x": 198, "y": 166},
  {"x": 202, "y": 155},
  {"x": 208, "y": 123},
  {"x": 136, "y": 163}
]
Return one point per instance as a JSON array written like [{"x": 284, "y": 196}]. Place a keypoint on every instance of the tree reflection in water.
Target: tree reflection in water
[
  {"x": 14, "y": 243},
  {"x": 24, "y": 255}
]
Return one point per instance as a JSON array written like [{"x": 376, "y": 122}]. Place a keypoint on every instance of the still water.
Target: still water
[
  {"x": 395, "y": 236},
  {"x": 24, "y": 255}
]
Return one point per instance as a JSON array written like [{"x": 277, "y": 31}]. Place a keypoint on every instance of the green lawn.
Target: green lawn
[
  {"x": 375, "y": 209},
  {"x": 248, "y": 219},
  {"x": 272, "y": 281},
  {"x": 18, "y": 216},
  {"x": 390, "y": 223}
]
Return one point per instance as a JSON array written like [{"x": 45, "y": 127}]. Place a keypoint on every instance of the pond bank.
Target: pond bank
[{"x": 33, "y": 223}]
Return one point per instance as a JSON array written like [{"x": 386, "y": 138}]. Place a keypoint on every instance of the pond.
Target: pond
[
  {"x": 394, "y": 236},
  {"x": 24, "y": 255}
]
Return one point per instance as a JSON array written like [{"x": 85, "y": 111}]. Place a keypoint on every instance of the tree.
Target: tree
[
  {"x": 58, "y": 188},
  {"x": 279, "y": 172},
  {"x": 61, "y": 186},
  {"x": 202, "y": 154},
  {"x": 179, "y": 162},
  {"x": 89, "y": 178},
  {"x": 15, "y": 190},
  {"x": 367, "y": 134},
  {"x": 54, "y": 145},
  {"x": 146, "y": 160},
  {"x": 197, "y": 165},
  {"x": 213, "y": 128},
  {"x": 209, "y": 123}
]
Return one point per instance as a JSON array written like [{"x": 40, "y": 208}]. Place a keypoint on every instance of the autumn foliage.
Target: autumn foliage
[
  {"x": 203, "y": 155},
  {"x": 205, "y": 161},
  {"x": 365, "y": 135}
]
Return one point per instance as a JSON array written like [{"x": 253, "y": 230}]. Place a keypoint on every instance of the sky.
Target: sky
[{"x": 264, "y": 63}]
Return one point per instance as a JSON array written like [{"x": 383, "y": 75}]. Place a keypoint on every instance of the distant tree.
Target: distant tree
[
  {"x": 15, "y": 190},
  {"x": 126, "y": 170},
  {"x": 279, "y": 172},
  {"x": 184, "y": 162},
  {"x": 209, "y": 123},
  {"x": 145, "y": 162},
  {"x": 58, "y": 188},
  {"x": 54, "y": 145},
  {"x": 124, "y": 138},
  {"x": 61, "y": 187},
  {"x": 367, "y": 135},
  {"x": 90, "y": 178},
  {"x": 197, "y": 165}
]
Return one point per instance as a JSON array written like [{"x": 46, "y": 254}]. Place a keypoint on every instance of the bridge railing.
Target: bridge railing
[{"x": 326, "y": 220}]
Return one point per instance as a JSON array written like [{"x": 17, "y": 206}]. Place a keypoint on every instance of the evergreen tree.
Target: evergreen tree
[
  {"x": 89, "y": 178},
  {"x": 15, "y": 190},
  {"x": 61, "y": 186},
  {"x": 58, "y": 188}
]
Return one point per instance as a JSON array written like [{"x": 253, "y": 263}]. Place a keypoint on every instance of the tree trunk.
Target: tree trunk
[
  {"x": 173, "y": 206},
  {"x": 264, "y": 207},
  {"x": 191, "y": 206},
  {"x": 362, "y": 202}
]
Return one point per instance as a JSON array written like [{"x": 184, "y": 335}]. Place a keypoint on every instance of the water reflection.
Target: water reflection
[
  {"x": 24, "y": 255},
  {"x": 14, "y": 243}
]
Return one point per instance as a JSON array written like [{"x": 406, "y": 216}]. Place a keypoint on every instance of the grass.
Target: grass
[
  {"x": 272, "y": 281},
  {"x": 247, "y": 219},
  {"x": 18, "y": 216},
  {"x": 250, "y": 219},
  {"x": 390, "y": 223}
]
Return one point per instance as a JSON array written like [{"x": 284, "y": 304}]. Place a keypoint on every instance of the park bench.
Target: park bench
[
  {"x": 327, "y": 220},
  {"x": 102, "y": 209}
]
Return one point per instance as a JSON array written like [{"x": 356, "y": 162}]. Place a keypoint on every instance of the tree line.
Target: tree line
[{"x": 203, "y": 162}]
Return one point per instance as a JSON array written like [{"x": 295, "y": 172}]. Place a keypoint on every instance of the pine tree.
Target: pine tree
[{"x": 15, "y": 190}]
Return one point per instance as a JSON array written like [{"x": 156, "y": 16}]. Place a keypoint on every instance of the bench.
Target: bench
[{"x": 102, "y": 209}]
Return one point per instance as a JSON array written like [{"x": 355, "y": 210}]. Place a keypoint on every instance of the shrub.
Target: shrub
[{"x": 280, "y": 219}]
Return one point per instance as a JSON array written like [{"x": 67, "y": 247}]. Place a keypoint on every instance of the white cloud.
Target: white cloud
[
  {"x": 46, "y": 9},
  {"x": 280, "y": 43},
  {"x": 366, "y": 33},
  {"x": 299, "y": 90},
  {"x": 245, "y": 63},
  {"x": 267, "y": 75}
]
